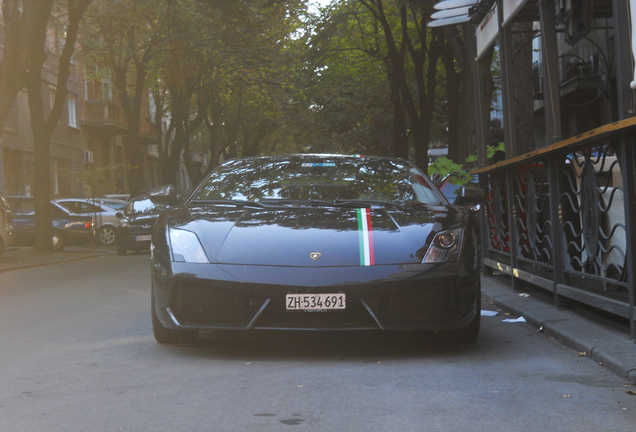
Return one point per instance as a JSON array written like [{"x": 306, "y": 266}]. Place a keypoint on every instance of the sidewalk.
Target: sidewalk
[
  {"x": 607, "y": 344},
  {"x": 15, "y": 258}
]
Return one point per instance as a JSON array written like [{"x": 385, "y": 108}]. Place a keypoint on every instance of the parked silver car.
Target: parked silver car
[
  {"x": 104, "y": 216},
  {"x": 117, "y": 204}
]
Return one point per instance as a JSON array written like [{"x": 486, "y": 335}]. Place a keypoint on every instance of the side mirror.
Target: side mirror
[
  {"x": 119, "y": 215},
  {"x": 165, "y": 195},
  {"x": 469, "y": 195}
]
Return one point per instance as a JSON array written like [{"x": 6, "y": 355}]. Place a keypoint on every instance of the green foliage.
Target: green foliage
[
  {"x": 97, "y": 178},
  {"x": 494, "y": 149},
  {"x": 444, "y": 166}
]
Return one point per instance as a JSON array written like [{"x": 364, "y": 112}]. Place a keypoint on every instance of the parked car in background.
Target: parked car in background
[
  {"x": 119, "y": 197},
  {"x": 117, "y": 204},
  {"x": 451, "y": 188},
  {"x": 6, "y": 229},
  {"x": 20, "y": 204},
  {"x": 104, "y": 217},
  {"x": 135, "y": 224},
  {"x": 68, "y": 228}
]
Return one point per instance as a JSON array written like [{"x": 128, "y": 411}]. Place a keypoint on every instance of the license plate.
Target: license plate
[
  {"x": 315, "y": 302},
  {"x": 144, "y": 238}
]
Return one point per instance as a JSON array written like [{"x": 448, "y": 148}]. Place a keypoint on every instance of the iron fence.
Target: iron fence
[{"x": 562, "y": 218}]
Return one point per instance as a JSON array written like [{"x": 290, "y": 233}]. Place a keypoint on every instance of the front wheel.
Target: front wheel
[
  {"x": 106, "y": 235},
  {"x": 470, "y": 333},
  {"x": 166, "y": 335}
]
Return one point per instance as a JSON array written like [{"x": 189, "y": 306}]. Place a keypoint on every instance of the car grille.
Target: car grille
[
  {"x": 357, "y": 319},
  {"x": 413, "y": 305},
  {"x": 198, "y": 304},
  {"x": 398, "y": 306}
]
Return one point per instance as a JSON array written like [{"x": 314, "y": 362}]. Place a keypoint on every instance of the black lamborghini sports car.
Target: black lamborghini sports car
[{"x": 316, "y": 242}]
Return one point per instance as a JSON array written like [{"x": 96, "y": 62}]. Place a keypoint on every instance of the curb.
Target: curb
[
  {"x": 30, "y": 259},
  {"x": 608, "y": 347}
]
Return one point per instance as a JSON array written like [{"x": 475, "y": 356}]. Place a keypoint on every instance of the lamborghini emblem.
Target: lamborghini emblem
[{"x": 315, "y": 255}]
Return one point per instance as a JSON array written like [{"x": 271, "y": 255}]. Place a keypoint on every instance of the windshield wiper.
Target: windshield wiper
[
  {"x": 285, "y": 201},
  {"x": 361, "y": 202},
  {"x": 238, "y": 203}
]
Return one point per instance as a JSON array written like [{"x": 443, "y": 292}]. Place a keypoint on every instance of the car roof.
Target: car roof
[{"x": 317, "y": 155}]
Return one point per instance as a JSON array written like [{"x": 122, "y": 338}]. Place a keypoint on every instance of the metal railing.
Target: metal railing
[{"x": 564, "y": 218}]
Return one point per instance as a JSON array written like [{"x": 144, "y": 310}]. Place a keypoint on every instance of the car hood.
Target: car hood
[{"x": 315, "y": 237}]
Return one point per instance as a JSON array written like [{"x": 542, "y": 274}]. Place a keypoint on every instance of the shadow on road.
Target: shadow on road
[{"x": 266, "y": 345}]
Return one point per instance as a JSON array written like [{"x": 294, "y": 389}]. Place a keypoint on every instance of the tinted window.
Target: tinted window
[
  {"x": 321, "y": 178},
  {"x": 115, "y": 204},
  {"x": 80, "y": 207},
  {"x": 21, "y": 206},
  {"x": 450, "y": 191}
]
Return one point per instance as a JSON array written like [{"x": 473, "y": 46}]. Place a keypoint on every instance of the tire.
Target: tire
[
  {"x": 58, "y": 240},
  {"x": 471, "y": 333},
  {"x": 106, "y": 235},
  {"x": 121, "y": 251},
  {"x": 165, "y": 335}
]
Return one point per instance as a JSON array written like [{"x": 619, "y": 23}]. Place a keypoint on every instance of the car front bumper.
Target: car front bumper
[
  {"x": 387, "y": 297},
  {"x": 130, "y": 238}
]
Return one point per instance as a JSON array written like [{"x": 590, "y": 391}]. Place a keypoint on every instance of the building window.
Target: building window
[
  {"x": 51, "y": 97},
  {"x": 54, "y": 179},
  {"x": 51, "y": 40},
  {"x": 72, "y": 110},
  {"x": 85, "y": 85},
  {"x": 107, "y": 90}
]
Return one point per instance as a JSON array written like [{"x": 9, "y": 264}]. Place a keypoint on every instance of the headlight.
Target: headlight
[
  {"x": 445, "y": 245},
  {"x": 186, "y": 247}
]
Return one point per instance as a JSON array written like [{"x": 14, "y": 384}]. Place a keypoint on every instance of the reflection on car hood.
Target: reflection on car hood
[{"x": 310, "y": 236}]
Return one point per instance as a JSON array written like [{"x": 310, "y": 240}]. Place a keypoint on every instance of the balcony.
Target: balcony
[
  {"x": 105, "y": 115},
  {"x": 109, "y": 117}
]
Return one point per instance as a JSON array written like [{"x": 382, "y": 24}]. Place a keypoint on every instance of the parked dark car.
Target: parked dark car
[
  {"x": 6, "y": 229},
  {"x": 68, "y": 228},
  {"x": 315, "y": 242},
  {"x": 135, "y": 224}
]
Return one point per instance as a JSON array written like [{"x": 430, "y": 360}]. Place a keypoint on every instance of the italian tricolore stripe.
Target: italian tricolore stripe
[{"x": 367, "y": 256}]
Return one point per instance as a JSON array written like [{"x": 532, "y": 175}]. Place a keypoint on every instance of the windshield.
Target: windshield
[
  {"x": 321, "y": 178},
  {"x": 143, "y": 206}
]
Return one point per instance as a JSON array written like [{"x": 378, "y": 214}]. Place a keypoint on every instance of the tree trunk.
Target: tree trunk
[
  {"x": 400, "y": 146},
  {"x": 453, "y": 95},
  {"x": 43, "y": 129},
  {"x": 135, "y": 156},
  {"x": 42, "y": 186},
  {"x": 23, "y": 19}
]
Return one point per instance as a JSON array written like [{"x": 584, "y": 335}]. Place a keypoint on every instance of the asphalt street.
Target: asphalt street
[{"x": 77, "y": 354}]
